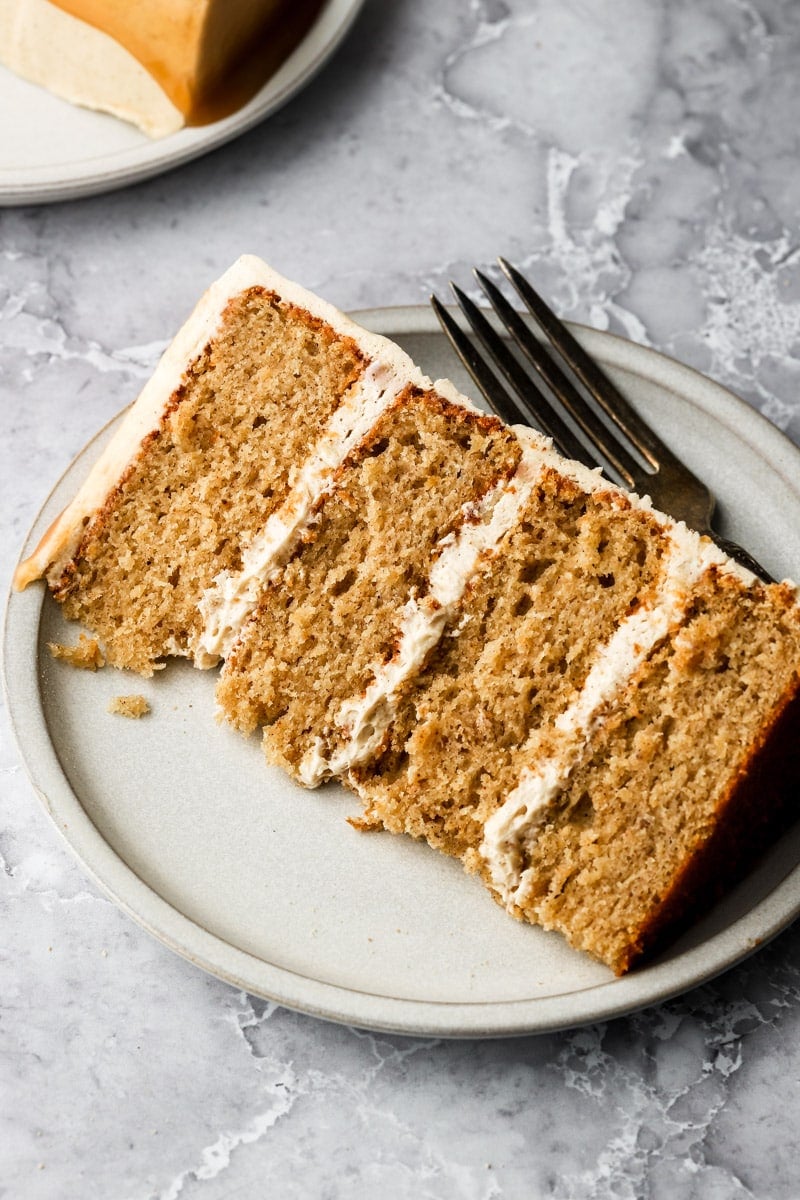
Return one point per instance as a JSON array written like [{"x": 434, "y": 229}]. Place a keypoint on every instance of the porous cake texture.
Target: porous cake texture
[{"x": 496, "y": 649}]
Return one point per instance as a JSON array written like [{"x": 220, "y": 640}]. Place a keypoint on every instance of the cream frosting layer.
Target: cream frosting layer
[
  {"x": 83, "y": 65},
  {"x": 365, "y": 719},
  {"x": 525, "y": 810}
]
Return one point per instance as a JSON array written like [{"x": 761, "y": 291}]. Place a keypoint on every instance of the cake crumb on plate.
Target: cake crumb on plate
[{"x": 129, "y": 706}]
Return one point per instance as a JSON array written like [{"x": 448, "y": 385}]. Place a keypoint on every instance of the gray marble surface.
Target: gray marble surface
[{"x": 642, "y": 160}]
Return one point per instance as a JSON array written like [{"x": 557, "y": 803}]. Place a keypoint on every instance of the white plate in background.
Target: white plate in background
[
  {"x": 52, "y": 150},
  {"x": 267, "y": 886}
]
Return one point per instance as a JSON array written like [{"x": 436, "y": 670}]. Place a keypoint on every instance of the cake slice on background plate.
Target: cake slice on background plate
[
  {"x": 498, "y": 650},
  {"x": 159, "y": 64}
]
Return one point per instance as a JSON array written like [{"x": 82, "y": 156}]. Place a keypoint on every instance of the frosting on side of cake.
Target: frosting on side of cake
[
  {"x": 83, "y": 65},
  {"x": 527, "y": 806},
  {"x": 62, "y": 539}
]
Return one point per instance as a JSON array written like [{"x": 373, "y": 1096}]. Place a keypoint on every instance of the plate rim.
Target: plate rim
[
  {"x": 154, "y": 157},
  {"x": 473, "y": 1019}
]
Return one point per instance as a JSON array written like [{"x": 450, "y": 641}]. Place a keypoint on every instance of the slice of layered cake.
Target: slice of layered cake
[{"x": 499, "y": 651}]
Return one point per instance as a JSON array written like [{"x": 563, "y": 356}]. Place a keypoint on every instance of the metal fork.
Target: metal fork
[{"x": 672, "y": 487}]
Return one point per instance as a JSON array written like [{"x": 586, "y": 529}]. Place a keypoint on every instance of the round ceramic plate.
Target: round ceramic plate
[
  {"x": 267, "y": 886},
  {"x": 52, "y": 150}
]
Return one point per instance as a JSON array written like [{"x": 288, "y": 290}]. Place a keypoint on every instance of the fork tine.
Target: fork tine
[
  {"x": 598, "y": 434},
  {"x": 499, "y": 399},
  {"x": 591, "y": 376},
  {"x": 534, "y": 401}
]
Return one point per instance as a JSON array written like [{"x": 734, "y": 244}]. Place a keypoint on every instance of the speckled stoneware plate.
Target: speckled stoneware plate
[
  {"x": 51, "y": 150},
  {"x": 267, "y": 886}
]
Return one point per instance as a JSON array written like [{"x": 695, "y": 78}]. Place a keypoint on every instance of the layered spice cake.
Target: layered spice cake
[{"x": 496, "y": 649}]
